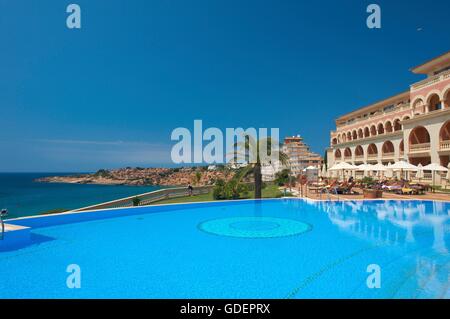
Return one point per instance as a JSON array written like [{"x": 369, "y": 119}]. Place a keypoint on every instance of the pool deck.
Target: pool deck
[{"x": 386, "y": 195}]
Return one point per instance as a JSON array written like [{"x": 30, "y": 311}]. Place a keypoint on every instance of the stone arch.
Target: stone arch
[
  {"x": 337, "y": 154},
  {"x": 348, "y": 153},
  {"x": 380, "y": 128},
  {"x": 434, "y": 102},
  {"x": 359, "y": 151},
  {"x": 349, "y": 136},
  {"x": 388, "y": 147},
  {"x": 446, "y": 96},
  {"x": 444, "y": 133},
  {"x": 397, "y": 125},
  {"x": 360, "y": 133},
  {"x": 419, "y": 135},
  {"x": 373, "y": 130},
  {"x": 388, "y": 127},
  {"x": 366, "y": 131},
  {"x": 372, "y": 149}
]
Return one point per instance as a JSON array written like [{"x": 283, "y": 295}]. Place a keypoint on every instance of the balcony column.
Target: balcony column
[
  {"x": 427, "y": 108},
  {"x": 434, "y": 131}
]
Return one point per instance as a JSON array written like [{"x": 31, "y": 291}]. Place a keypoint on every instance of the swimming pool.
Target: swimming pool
[{"x": 281, "y": 248}]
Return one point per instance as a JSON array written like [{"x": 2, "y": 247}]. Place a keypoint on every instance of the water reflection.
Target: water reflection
[{"x": 418, "y": 231}]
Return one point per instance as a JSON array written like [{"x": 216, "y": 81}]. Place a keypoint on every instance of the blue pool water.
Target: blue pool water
[{"x": 163, "y": 252}]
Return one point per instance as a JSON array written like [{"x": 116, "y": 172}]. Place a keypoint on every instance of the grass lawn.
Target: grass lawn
[{"x": 270, "y": 191}]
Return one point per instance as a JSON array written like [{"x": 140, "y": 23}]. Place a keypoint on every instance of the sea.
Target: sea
[{"x": 23, "y": 196}]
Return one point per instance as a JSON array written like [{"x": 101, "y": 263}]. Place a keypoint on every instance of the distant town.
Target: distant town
[{"x": 298, "y": 152}]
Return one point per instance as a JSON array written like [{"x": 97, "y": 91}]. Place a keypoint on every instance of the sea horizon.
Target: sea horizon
[{"x": 23, "y": 196}]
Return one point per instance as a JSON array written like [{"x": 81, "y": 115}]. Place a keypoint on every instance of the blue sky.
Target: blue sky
[{"x": 110, "y": 94}]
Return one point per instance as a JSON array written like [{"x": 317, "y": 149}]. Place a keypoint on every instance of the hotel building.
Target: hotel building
[
  {"x": 413, "y": 125},
  {"x": 300, "y": 155}
]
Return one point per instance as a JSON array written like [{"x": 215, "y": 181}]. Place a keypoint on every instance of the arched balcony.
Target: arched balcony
[
  {"x": 337, "y": 154},
  {"x": 373, "y": 130},
  {"x": 366, "y": 132},
  {"x": 359, "y": 153},
  {"x": 347, "y": 154},
  {"x": 349, "y": 136},
  {"x": 354, "y": 135},
  {"x": 397, "y": 125},
  {"x": 334, "y": 141},
  {"x": 380, "y": 129},
  {"x": 419, "y": 140},
  {"x": 360, "y": 133},
  {"x": 388, "y": 127},
  {"x": 447, "y": 99},
  {"x": 434, "y": 103},
  {"x": 418, "y": 107},
  {"x": 372, "y": 152},
  {"x": 444, "y": 137},
  {"x": 387, "y": 150}
]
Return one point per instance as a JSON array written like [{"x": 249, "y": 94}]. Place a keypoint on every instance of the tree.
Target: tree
[
  {"x": 282, "y": 177},
  {"x": 136, "y": 201},
  {"x": 197, "y": 177},
  {"x": 245, "y": 151}
]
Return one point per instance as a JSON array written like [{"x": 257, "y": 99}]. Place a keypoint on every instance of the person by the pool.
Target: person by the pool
[{"x": 190, "y": 189}]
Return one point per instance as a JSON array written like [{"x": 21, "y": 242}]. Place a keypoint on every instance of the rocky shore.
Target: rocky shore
[{"x": 199, "y": 176}]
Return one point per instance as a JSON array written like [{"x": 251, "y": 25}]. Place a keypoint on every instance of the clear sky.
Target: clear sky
[{"x": 110, "y": 94}]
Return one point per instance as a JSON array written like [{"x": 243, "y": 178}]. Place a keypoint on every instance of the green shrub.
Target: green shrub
[
  {"x": 282, "y": 178},
  {"x": 136, "y": 201}
]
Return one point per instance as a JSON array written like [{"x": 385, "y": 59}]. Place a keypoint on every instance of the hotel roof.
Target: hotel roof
[
  {"x": 433, "y": 64},
  {"x": 375, "y": 106}
]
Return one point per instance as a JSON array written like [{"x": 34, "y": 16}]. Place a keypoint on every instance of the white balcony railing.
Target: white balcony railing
[
  {"x": 372, "y": 156},
  {"x": 430, "y": 81},
  {"x": 444, "y": 146},
  {"x": 388, "y": 155},
  {"x": 417, "y": 148}
]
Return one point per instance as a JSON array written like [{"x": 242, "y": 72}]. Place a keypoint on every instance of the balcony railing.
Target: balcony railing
[
  {"x": 445, "y": 145},
  {"x": 359, "y": 157},
  {"x": 347, "y": 158},
  {"x": 372, "y": 156},
  {"x": 388, "y": 155},
  {"x": 417, "y": 148},
  {"x": 430, "y": 81}
]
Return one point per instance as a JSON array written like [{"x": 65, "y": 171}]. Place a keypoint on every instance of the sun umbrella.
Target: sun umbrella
[
  {"x": 389, "y": 172},
  {"x": 419, "y": 173},
  {"x": 403, "y": 166},
  {"x": 433, "y": 167},
  {"x": 379, "y": 168},
  {"x": 365, "y": 168},
  {"x": 343, "y": 166}
]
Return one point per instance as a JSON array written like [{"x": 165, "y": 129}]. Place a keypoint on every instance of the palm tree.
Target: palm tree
[{"x": 254, "y": 168}]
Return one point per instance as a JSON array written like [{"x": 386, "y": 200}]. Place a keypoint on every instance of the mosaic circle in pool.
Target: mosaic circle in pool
[{"x": 254, "y": 227}]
